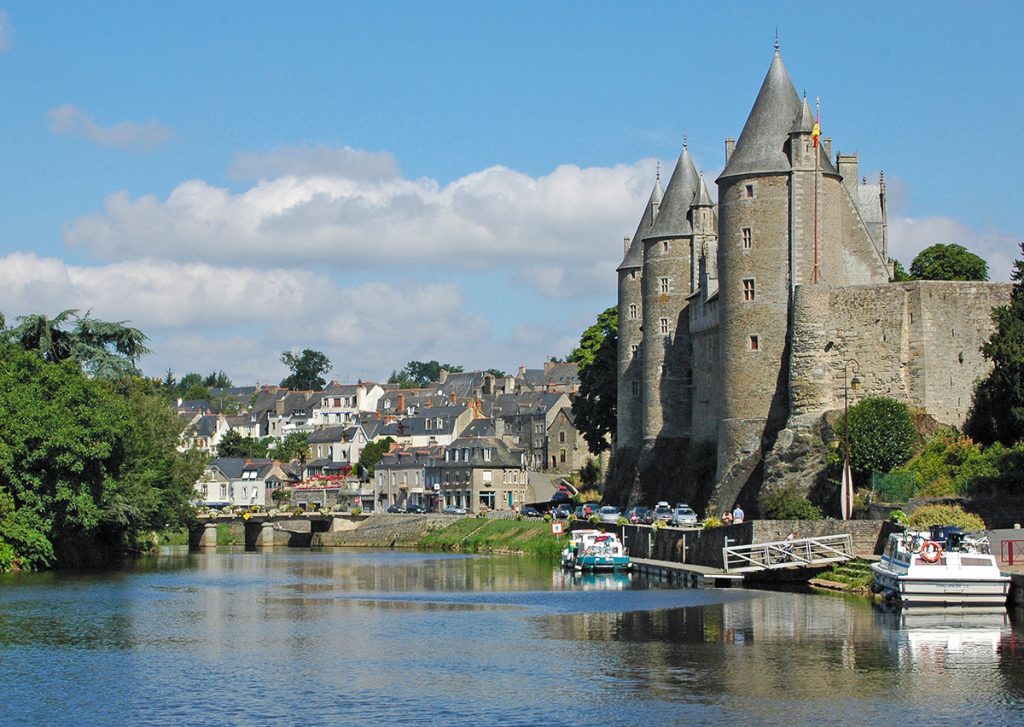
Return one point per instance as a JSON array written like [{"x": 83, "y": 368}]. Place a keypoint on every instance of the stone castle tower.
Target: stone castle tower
[{"x": 718, "y": 304}]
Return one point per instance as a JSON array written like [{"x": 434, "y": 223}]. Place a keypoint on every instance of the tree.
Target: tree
[
  {"x": 899, "y": 273},
  {"x": 292, "y": 447},
  {"x": 948, "y": 262},
  {"x": 882, "y": 435},
  {"x": 418, "y": 374},
  {"x": 594, "y": 406},
  {"x": 371, "y": 455},
  {"x": 233, "y": 444},
  {"x": 307, "y": 370},
  {"x": 998, "y": 411},
  {"x": 103, "y": 349},
  {"x": 192, "y": 388},
  {"x": 217, "y": 380}
]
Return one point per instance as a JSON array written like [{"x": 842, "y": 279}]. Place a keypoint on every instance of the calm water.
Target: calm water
[{"x": 360, "y": 636}]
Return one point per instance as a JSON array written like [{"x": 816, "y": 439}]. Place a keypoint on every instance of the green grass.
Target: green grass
[
  {"x": 174, "y": 537},
  {"x": 479, "y": 535},
  {"x": 855, "y": 574},
  {"x": 225, "y": 536}
]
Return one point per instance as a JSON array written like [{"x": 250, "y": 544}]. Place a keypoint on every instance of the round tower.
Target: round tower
[
  {"x": 754, "y": 272},
  {"x": 629, "y": 432},
  {"x": 666, "y": 285}
]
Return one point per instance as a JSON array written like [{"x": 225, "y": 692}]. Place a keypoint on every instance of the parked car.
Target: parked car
[
  {"x": 609, "y": 514},
  {"x": 416, "y": 508},
  {"x": 530, "y": 512},
  {"x": 684, "y": 517},
  {"x": 663, "y": 512},
  {"x": 453, "y": 510},
  {"x": 395, "y": 508},
  {"x": 640, "y": 515},
  {"x": 584, "y": 511},
  {"x": 563, "y": 511}
]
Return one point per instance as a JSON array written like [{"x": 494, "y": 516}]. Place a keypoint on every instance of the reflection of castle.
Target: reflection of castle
[{"x": 737, "y": 320}]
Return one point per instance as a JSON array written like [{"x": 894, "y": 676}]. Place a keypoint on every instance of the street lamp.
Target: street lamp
[{"x": 846, "y": 488}]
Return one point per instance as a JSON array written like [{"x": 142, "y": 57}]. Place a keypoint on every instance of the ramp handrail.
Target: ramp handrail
[{"x": 787, "y": 554}]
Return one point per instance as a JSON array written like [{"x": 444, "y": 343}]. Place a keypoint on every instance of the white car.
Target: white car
[
  {"x": 609, "y": 514},
  {"x": 684, "y": 517}
]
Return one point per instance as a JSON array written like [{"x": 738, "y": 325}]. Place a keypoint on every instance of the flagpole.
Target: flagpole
[{"x": 816, "y": 135}]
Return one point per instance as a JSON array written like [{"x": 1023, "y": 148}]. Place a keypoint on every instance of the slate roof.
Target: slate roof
[
  {"x": 328, "y": 435},
  {"x": 635, "y": 254},
  {"x": 555, "y": 374},
  {"x": 480, "y": 428},
  {"x": 232, "y": 467},
  {"x": 526, "y": 402},
  {"x": 673, "y": 220},
  {"x": 501, "y": 454}
]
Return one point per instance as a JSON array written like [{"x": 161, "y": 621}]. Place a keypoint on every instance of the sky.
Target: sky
[{"x": 387, "y": 182}]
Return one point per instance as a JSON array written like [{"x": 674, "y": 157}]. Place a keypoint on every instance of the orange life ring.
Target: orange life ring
[{"x": 931, "y": 552}]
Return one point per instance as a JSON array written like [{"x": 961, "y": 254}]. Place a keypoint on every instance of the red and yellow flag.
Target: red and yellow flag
[{"x": 816, "y": 133}]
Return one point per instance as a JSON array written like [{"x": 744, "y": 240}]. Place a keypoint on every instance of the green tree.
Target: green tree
[
  {"x": 594, "y": 406},
  {"x": 882, "y": 435},
  {"x": 192, "y": 388},
  {"x": 899, "y": 273},
  {"x": 103, "y": 349},
  {"x": 233, "y": 444},
  {"x": 418, "y": 374},
  {"x": 948, "y": 262},
  {"x": 293, "y": 447},
  {"x": 371, "y": 455},
  {"x": 307, "y": 370},
  {"x": 997, "y": 414},
  {"x": 217, "y": 380}
]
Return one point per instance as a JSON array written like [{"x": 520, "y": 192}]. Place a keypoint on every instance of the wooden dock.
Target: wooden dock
[{"x": 700, "y": 576}]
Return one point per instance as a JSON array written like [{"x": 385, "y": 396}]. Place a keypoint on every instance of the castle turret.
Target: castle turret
[
  {"x": 666, "y": 283},
  {"x": 754, "y": 272},
  {"x": 629, "y": 431}
]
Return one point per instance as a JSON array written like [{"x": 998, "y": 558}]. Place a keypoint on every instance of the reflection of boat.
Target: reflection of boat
[
  {"x": 932, "y": 638},
  {"x": 942, "y": 567},
  {"x": 593, "y": 550}
]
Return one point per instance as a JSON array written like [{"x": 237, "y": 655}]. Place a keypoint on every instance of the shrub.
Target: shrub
[
  {"x": 594, "y": 519},
  {"x": 590, "y": 495},
  {"x": 898, "y": 516},
  {"x": 622, "y": 520},
  {"x": 712, "y": 522},
  {"x": 786, "y": 503},
  {"x": 6, "y": 557},
  {"x": 882, "y": 435},
  {"x": 356, "y": 511},
  {"x": 929, "y": 515}
]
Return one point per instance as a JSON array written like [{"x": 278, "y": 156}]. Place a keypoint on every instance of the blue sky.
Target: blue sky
[{"x": 445, "y": 180}]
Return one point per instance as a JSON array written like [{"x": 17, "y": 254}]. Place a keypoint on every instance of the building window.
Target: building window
[
  {"x": 748, "y": 191},
  {"x": 632, "y": 311},
  {"x": 561, "y": 437},
  {"x": 748, "y": 238},
  {"x": 636, "y": 388},
  {"x": 754, "y": 344},
  {"x": 748, "y": 290},
  {"x": 561, "y": 456},
  {"x": 664, "y": 324},
  {"x": 664, "y": 369},
  {"x": 632, "y": 274},
  {"x": 633, "y": 349},
  {"x": 663, "y": 285},
  {"x": 664, "y": 245}
]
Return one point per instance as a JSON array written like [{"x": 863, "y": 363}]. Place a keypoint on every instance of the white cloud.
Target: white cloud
[
  {"x": 345, "y": 209},
  {"x": 908, "y": 236},
  {"x": 6, "y": 32},
  {"x": 69, "y": 119}
]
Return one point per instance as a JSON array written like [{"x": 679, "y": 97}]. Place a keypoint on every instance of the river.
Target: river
[{"x": 356, "y": 636}]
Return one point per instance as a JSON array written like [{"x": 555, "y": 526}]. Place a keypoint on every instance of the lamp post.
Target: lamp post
[{"x": 846, "y": 488}]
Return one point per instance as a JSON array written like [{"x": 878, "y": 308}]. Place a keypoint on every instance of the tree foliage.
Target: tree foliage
[
  {"x": 594, "y": 406},
  {"x": 233, "y": 444},
  {"x": 899, "y": 273},
  {"x": 371, "y": 455},
  {"x": 949, "y": 463},
  {"x": 786, "y": 503},
  {"x": 307, "y": 370},
  {"x": 101, "y": 348},
  {"x": 924, "y": 517},
  {"x": 88, "y": 467},
  {"x": 948, "y": 262},
  {"x": 882, "y": 436},
  {"x": 417, "y": 374},
  {"x": 293, "y": 447},
  {"x": 997, "y": 414}
]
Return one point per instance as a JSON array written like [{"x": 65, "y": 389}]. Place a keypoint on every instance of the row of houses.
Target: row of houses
[{"x": 469, "y": 440}]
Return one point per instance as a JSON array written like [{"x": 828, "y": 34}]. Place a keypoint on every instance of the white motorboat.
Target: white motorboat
[
  {"x": 940, "y": 567},
  {"x": 593, "y": 550}
]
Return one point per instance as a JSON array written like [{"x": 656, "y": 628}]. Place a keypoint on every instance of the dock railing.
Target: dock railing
[{"x": 788, "y": 553}]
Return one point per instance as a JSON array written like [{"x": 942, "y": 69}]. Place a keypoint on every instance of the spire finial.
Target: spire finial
[
  {"x": 685, "y": 138},
  {"x": 776, "y": 40},
  {"x": 657, "y": 174}
]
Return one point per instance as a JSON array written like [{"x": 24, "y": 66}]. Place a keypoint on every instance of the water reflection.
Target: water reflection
[{"x": 363, "y": 636}]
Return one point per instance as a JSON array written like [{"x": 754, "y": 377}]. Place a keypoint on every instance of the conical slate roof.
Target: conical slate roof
[
  {"x": 672, "y": 215},
  {"x": 635, "y": 254},
  {"x": 703, "y": 198},
  {"x": 805, "y": 121},
  {"x": 760, "y": 148}
]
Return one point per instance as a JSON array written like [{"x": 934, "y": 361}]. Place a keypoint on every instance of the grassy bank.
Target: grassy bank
[
  {"x": 854, "y": 575},
  {"x": 480, "y": 535}
]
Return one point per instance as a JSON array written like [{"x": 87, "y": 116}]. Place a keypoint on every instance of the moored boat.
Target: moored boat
[
  {"x": 940, "y": 567},
  {"x": 593, "y": 550}
]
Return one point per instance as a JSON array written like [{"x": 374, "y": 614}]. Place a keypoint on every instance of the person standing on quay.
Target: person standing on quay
[{"x": 737, "y": 515}]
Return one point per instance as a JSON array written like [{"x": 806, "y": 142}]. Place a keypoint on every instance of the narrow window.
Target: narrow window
[
  {"x": 748, "y": 239},
  {"x": 636, "y": 388},
  {"x": 664, "y": 245},
  {"x": 664, "y": 324},
  {"x": 754, "y": 345},
  {"x": 748, "y": 191},
  {"x": 663, "y": 283},
  {"x": 748, "y": 290},
  {"x": 633, "y": 349},
  {"x": 663, "y": 370},
  {"x": 632, "y": 311}
]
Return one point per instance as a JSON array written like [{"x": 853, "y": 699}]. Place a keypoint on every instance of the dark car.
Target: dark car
[
  {"x": 530, "y": 512},
  {"x": 640, "y": 515},
  {"x": 395, "y": 508},
  {"x": 416, "y": 508},
  {"x": 563, "y": 511}
]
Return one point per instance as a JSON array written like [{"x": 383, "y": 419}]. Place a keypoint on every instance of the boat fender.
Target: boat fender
[{"x": 931, "y": 552}]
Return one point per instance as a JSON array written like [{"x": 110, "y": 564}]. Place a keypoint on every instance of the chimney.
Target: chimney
[
  {"x": 451, "y": 398},
  {"x": 488, "y": 385},
  {"x": 826, "y": 144},
  {"x": 847, "y": 164},
  {"x": 730, "y": 147},
  {"x": 548, "y": 365},
  {"x": 522, "y": 370},
  {"x": 625, "y": 245},
  {"x": 401, "y": 403},
  {"x": 442, "y": 377}
]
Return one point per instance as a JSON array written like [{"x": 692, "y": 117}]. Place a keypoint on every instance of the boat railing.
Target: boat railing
[{"x": 788, "y": 553}]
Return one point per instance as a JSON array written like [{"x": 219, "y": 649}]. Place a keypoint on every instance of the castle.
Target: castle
[{"x": 742, "y": 322}]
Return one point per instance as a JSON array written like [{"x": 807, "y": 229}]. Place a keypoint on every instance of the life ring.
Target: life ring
[{"x": 931, "y": 552}]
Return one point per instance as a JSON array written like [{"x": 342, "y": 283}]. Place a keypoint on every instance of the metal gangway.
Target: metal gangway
[{"x": 796, "y": 553}]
